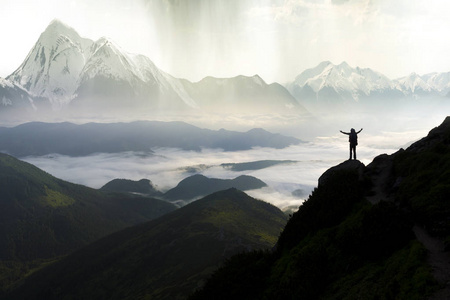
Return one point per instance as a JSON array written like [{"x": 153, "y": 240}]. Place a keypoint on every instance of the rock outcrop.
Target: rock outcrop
[{"x": 348, "y": 165}]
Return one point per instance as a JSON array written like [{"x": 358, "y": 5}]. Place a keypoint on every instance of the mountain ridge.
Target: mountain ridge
[
  {"x": 165, "y": 258},
  {"x": 347, "y": 85},
  {"x": 71, "y": 77},
  {"x": 199, "y": 185},
  {"x": 73, "y": 74},
  {"x": 40, "y": 138},
  {"x": 366, "y": 232},
  {"x": 43, "y": 218}
]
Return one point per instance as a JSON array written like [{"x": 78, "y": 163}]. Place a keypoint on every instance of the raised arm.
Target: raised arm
[
  {"x": 359, "y": 131},
  {"x": 344, "y": 132}
]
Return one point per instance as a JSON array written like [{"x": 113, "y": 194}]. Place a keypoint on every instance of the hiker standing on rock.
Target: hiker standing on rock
[{"x": 353, "y": 139}]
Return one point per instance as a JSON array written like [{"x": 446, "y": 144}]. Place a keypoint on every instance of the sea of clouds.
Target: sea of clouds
[{"x": 289, "y": 184}]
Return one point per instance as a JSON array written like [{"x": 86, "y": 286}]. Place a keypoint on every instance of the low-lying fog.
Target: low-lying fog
[{"x": 288, "y": 184}]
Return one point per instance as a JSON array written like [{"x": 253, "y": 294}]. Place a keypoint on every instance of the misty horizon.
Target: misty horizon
[
  {"x": 275, "y": 39},
  {"x": 196, "y": 62},
  {"x": 143, "y": 143},
  {"x": 166, "y": 167},
  {"x": 237, "y": 74}
]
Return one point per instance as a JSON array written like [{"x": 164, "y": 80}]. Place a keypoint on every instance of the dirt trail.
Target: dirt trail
[
  {"x": 380, "y": 174},
  {"x": 438, "y": 259}
]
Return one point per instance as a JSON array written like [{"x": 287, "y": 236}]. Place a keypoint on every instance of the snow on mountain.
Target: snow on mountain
[
  {"x": 439, "y": 82},
  {"x": 340, "y": 81},
  {"x": 143, "y": 78},
  {"x": 414, "y": 84},
  {"x": 67, "y": 70},
  {"x": 432, "y": 83},
  {"x": 64, "y": 70},
  {"x": 13, "y": 96},
  {"x": 52, "y": 67},
  {"x": 107, "y": 60},
  {"x": 63, "y": 66}
]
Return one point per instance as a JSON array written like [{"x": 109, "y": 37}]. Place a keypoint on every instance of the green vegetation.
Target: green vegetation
[
  {"x": 42, "y": 217},
  {"x": 143, "y": 186},
  {"x": 166, "y": 258},
  {"x": 423, "y": 181},
  {"x": 336, "y": 246},
  {"x": 56, "y": 199}
]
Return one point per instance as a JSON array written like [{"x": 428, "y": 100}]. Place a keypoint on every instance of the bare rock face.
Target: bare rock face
[{"x": 349, "y": 165}]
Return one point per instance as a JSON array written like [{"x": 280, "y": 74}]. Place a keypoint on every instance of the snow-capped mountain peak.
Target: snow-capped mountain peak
[
  {"x": 413, "y": 83},
  {"x": 62, "y": 64},
  {"x": 52, "y": 67},
  {"x": 64, "y": 68},
  {"x": 438, "y": 81},
  {"x": 106, "y": 59},
  {"x": 109, "y": 61},
  {"x": 338, "y": 84},
  {"x": 342, "y": 77},
  {"x": 57, "y": 30}
]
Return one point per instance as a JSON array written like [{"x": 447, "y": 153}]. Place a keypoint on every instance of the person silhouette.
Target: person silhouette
[{"x": 353, "y": 139}]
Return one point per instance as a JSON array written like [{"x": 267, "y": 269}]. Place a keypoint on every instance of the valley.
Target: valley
[{"x": 119, "y": 180}]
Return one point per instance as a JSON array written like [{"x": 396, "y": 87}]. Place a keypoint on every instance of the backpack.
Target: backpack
[{"x": 353, "y": 138}]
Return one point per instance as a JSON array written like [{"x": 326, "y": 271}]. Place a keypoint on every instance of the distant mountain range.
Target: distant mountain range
[
  {"x": 37, "y": 138},
  {"x": 255, "y": 165},
  {"x": 65, "y": 72},
  {"x": 337, "y": 84},
  {"x": 190, "y": 188}
]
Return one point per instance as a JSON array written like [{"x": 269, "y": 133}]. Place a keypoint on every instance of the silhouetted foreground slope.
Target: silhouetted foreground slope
[
  {"x": 166, "y": 258},
  {"x": 339, "y": 245},
  {"x": 42, "y": 217}
]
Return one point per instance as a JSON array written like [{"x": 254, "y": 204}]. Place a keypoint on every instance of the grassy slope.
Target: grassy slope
[
  {"x": 164, "y": 259},
  {"x": 42, "y": 217}
]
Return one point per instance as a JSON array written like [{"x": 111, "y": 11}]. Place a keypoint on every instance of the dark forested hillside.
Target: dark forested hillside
[
  {"x": 143, "y": 186},
  {"x": 360, "y": 235},
  {"x": 199, "y": 185},
  {"x": 42, "y": 217},
  {"x": 166, "y": 258},
  {"x": 379, "y": 231}
]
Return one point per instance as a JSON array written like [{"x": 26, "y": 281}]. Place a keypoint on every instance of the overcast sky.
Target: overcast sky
[{"x": 277, "y": 39}]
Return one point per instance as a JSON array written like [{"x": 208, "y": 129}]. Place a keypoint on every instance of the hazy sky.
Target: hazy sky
[{"x": 277, "y": 39}]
